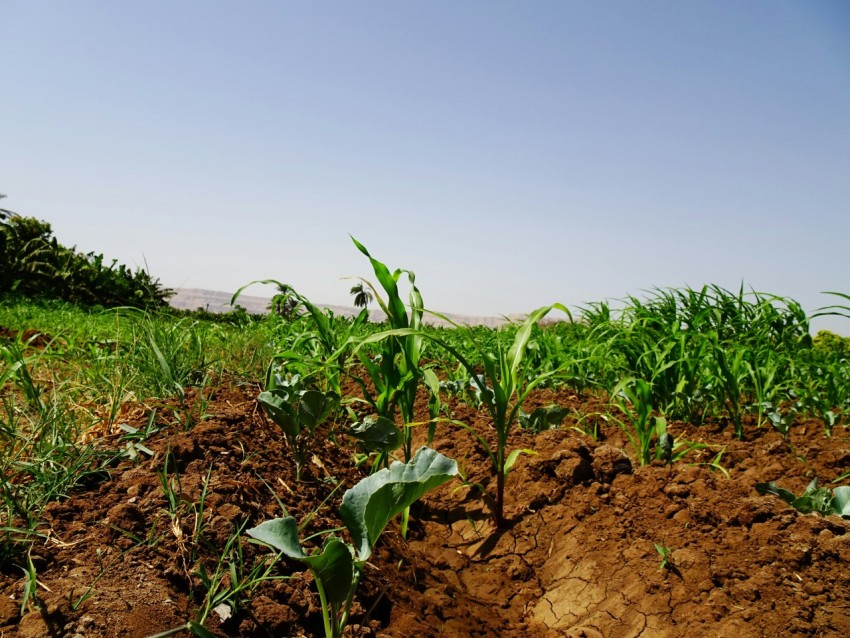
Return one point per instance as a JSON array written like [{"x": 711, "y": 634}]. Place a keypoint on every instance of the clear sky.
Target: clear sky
[{"x": 512, "y": 154}]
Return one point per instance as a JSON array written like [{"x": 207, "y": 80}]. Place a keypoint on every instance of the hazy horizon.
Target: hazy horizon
[{"x": 510, "y": 154}]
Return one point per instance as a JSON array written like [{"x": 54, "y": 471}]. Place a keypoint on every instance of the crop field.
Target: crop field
[{"x": 678, "y": 466}]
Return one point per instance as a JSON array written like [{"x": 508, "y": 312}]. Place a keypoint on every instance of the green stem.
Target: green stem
[
  {"x": 171, "y": 632},
  {"x": 347, "y": 611},
  {"x": 500, "y": 479},
  {"x": 405, "y": 519},
  {"x": 327, "y": 611}
]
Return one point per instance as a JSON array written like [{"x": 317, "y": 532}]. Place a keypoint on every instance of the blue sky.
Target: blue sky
[{"x": 512, "y": 154}]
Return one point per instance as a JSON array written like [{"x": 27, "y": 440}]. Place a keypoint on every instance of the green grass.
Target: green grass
[{"x": 58, "y": 401}]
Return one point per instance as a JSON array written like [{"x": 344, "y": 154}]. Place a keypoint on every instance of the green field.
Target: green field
[{"x": 86, "y": 391}]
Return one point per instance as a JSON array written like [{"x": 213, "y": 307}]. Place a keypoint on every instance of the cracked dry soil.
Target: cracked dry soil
[{"x": 576, "y": 558}]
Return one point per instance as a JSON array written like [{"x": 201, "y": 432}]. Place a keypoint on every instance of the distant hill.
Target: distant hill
[{"x": 217, "y": 301}]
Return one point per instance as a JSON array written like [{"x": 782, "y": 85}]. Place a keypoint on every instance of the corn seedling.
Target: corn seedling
[
  {"x": 763, "y": 381},
  {"x": 782, "y": 413},
  {"x": 715, "y": 463},
  {"x": 634, "y": 398},
  {"x": 435, "y": 405},
  {"x": 589, "y": 423},
  {"x": 502, "y": 388},
  {"x": 395, "y": 373},
  {"x": 665, "y": 553},
  {"x": 729, "y": 374}
]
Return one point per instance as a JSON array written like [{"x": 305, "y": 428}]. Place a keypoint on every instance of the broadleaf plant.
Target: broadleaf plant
[
  {"x": 370, "y": 505},
  {"x": 329, "y": 343},
  {"x": 813, "y": 499},
  {"x": 377, "y": 434},
  {"x": 298, "y": 413},
  {"x": 366, "y": 510}
]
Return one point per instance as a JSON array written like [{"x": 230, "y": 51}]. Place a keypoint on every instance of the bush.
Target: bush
[
  {"x": 832, "y": 343},
  {"x": 34, "y": 264}
]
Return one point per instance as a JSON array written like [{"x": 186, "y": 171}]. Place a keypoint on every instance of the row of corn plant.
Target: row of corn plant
[{"x": 707, "y": 354}]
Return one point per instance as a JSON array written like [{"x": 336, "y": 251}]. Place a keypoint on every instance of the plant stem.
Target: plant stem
[
  {"x": 327, "y": 610},
  {"x": 171, "y": 632},
  {"x": 405, "y": 519}
]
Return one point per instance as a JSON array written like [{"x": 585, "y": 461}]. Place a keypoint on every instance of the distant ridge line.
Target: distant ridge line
[{"x": 219, "y": 302}]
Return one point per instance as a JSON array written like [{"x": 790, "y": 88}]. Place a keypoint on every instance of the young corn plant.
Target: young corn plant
[
  {"x": 436, "y": 408},
  {"x": 763, "y": 378},
  {"x": 666, "y": 555},
  {"x": 503, "y": 387},
  {"x": 730, "y": 374},
  {"x": 825, "y": 393},
  {"x": 396, "y": 372},
  {"x": 366, "y": 510},
  {"x": 634, "y": 398},
  {"x": 325, "y": 347}
]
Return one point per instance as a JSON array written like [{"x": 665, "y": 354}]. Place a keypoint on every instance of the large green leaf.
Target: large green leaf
[
  {"x": 813, "y": 499},
  {"x": 772, "y": 488},
  {"x": 378, "y": 434},
  {"x": 333, "y": 567},
  {"x": 315, "y": 407},
  {"x": 280, "y": 411},
  {"x": 841, "y": 501},
  {"x": 369, "y": 506},
  {"x": 280, "y": 533}
]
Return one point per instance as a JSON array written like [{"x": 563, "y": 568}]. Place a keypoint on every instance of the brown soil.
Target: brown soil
[{"x": 577, "y": 557}]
